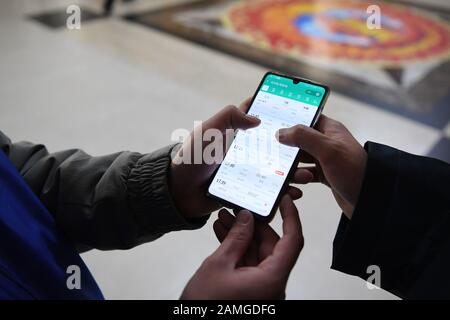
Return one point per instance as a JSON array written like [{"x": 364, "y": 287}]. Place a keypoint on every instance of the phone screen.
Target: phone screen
[{"x": 256, "y": 165}]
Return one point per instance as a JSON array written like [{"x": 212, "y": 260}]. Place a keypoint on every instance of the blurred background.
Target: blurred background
[{"x": 137, "y": 70}]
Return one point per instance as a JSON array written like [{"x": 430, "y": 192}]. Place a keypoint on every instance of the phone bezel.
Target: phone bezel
[{"x": 270, "y": 216}]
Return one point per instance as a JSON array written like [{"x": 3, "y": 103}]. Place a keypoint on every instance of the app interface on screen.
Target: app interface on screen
[{"x": 256, "y": 164}]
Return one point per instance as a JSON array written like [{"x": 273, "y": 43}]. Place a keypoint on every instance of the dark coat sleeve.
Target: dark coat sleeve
[
  {"x": 401, "y": 224},
  {"x": 115, "y": 201}
]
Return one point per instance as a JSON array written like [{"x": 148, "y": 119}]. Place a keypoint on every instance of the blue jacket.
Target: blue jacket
[
  {"x": 53, "y": 205},
  {"x": 36, "y": 261}
]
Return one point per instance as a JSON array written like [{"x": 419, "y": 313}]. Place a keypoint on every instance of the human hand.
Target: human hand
[
  {"x": 340, "y": 161},
  {"x": 190, "y": 170},
  {"x": 252, "y": 262}
]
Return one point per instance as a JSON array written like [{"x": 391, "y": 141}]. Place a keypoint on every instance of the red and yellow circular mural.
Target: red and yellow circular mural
[{"x": 333, "y": 30}]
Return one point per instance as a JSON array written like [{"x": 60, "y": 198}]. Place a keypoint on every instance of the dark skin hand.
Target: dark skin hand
[
  {"x": 252, "y": 262},
  {"x": 340, "y": 161},
  {"x": 189, "y": 182}
]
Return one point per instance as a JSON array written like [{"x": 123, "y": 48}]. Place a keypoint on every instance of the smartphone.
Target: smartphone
[{"x": 256, "y": 168}]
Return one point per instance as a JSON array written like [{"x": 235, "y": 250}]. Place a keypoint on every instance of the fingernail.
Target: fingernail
[
  {"x": 281, "y": 134},
  {"x": 253, "y": 119},
  {"x": 244, "y": 217}
]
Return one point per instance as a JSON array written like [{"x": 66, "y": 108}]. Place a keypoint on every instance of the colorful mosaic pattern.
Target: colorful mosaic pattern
[
  {"x": 403, "y": 68},
  {"x": 338, "y": 30}
]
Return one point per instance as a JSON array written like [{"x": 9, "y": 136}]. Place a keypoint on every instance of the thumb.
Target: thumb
[
  {"x": 236, "y": 243},
  {"x": 231, "y": 117},
  {"x": 308, "y": 139}
]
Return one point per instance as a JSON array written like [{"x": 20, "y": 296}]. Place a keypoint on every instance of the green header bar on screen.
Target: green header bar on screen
[{"x": 284, "y": 87}]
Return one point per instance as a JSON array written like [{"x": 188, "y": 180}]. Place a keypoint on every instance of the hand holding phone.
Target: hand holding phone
[
  {"x": 190, "y": 173},
  {"x": 337, "y": 155},
  {"x": 256, "y": 169}
]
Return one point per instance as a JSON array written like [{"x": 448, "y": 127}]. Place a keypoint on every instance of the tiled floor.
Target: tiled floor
[{"x": 114, "y": 85}]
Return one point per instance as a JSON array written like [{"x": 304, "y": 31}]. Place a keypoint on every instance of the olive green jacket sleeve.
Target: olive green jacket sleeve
[{"x": 115, "y": 201}]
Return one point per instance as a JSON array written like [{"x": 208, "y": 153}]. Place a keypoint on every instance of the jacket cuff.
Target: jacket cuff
[
  {"x": 150, "y": 198},
  {"x": 356, "y": 241}
]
